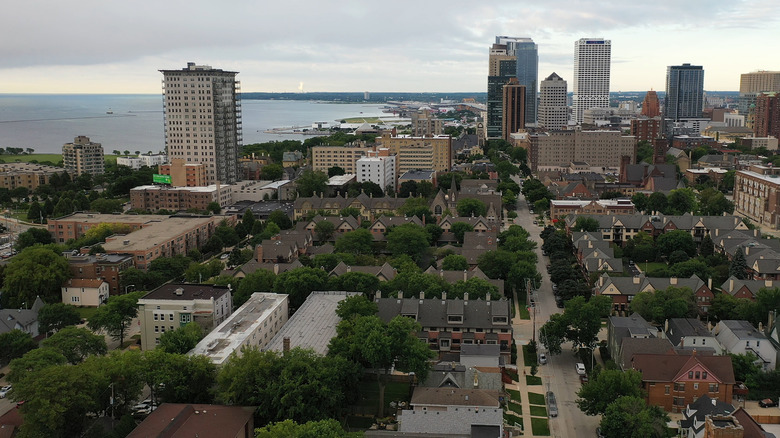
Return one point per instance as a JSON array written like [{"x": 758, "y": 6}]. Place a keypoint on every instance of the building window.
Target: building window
[
  {"x": 666, "y": 389},
  {"x": 713, "y": 387},
  {"x": 690, "y": 374},
  {"x": 170, "y": 317},
  {"x": 157, "y": 329},
  {"x": 155, "y": 317}
]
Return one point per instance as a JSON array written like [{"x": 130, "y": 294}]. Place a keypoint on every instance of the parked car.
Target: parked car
[
  {"x": 584, "y": 379},
  {"x": 580, "y": 367},
  {"x": 4, "y": 391},
  {"x": 224, "y": 256},
  {"x": 767, "y": 403},
  {"x": 536, "y": 223},
  {"x": 542, "y": 358},
  {"x": 144, "y": 408},
  {"x": 552, "y": 406}
]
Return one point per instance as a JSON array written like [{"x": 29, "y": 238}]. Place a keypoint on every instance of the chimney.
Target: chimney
[
  {"x": 179, "y": 291},
  {"x": 636, "y": 280},
  {"x": 441, "y": 273},
  {"x": 465, "y": 275},
  {"x": 276, "y": 268},
  {"x": 378, "y": 294},
  {"x": 673, "y": 280},
  {"x": 666, "y": 326},
  {"x": 731, "y": 284},
  {"x": 422, "y": 295},
  {"x": 259, "y": 253},
  {"x": 466, "y": 296},
  {"x": 349, "y": 268},
  {"x": 444, "y": 296},
  {"x": 768, "y": 283},
  {"x": 709, "y": 283},
  {"x": 286, "y": 345}
]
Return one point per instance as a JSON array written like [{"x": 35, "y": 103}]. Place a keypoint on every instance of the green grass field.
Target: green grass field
[
  {"x": 536, "y": 399},
  {"x": 514, "y": 394},
  {"x": 513, "y": 420},
  {"x": 393, "y": 392},
  {"x": 516, "y": 408},
  {"x": 645, "y": 267},
  {"x": 533, "y": 380},
  {"x": 54, "y": 158},
  {"x": 540, "y": 426},
  {"x": 363, "y": 120},
  {"x": 538, "y": 411},
  {"x": 529, "y": 358}
]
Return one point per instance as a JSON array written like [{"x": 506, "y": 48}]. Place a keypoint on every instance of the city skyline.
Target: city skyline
[{"x": 93, "y": 47}]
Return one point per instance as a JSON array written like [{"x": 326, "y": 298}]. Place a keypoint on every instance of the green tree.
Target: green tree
[
  {"x": 356, "y": 305},
  {"x": 170, "y": 267},
  {"x": 311, "y": 182},
  {"x": 299, "y": 385},
  {"x": 714, "y": 203},
  {"x": 738, "y": 267},
  {"x": 329, "y": 428},
  {"x": 36, "y": 271},
  {"x": 227, "y": 233},
  {"x": 214, "y": 207},
  {"x": 272, "y": 172},
  {"x": 355, "y": 282},
  {"x": 299, "y": 283},
  {"x": 248, "y": 220},
  {"x": 409, "y": 239},
  {"x": 676, "y": 240},
  {"x": 33, "y": 236},
  {"x": 434, "y": 233},
  {"x": 454, "y": 262},
  {"x": 664, "y": 304},
  {"x": 380, "y": 346},
  {"x": 35, "y": 213},
  {"x": 656, "y": 202},
  {"x": 407, "y": 189},
  {"x": 724, "y": 306},
  {"x": 325, "y": 261},
  {"x": 336, "y": 171},
  {"x": 497, "y": 263},
  {"x": 350, "y": 211},
  {"x": 15, "y": 344},
  {"x": 281, "y": 219},
  {"x": 707, "y": 247},
  {"x": 471, "y": 207},
  {"x": 631, "y": 417},
  {"x": 606, "y": 387},
  {"x": 359, "y": 241},
  {"x": 681, "y": 201},
  {"x": 32, "y": 361},
  {"x": 324, "y": 230},
  {"x": 106, "y": 206},
  {"x": 199, "y": 273},
  {"x": 585, "y": 223},
  {"x": 114, "y": 318},
  {"x": 184, "y": 378},
  {"x": 181, "y": 340},
  {"x": 56, "y": 316},
  {"x": 459, "y": 229},
  {"x": 476, "y": 288},
  {"x": 76, "y": 344},
  {"x": 745, "y": 366},
  {"x": 553, "y": 333}
]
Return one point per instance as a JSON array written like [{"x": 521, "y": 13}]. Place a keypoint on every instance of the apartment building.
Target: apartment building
[
  {"x": 378, "y": 167},
  {"x": 30, "y": 175},
  {"x": 173, "y": 305},
  {"x": 557, "y": 149},
  {"x": 253, "y": 324},
  {"x": 174, "y": 235},
  {"x": 140, "y": 161},
  {"x": 425, "y": 123},
  {"x": 419, "y": 153},
  {"x": 73, "y": 226},
  {"x": 185, "y": 174},
  {"x": 103, "y": 267},
  {"x": 153, "y": 198},
  {"x": 757, "y": 195},
  {"x": 83, "y": 156},
  {"x": 325, "y": 157}
]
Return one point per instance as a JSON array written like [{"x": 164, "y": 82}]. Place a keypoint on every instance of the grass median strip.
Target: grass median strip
[
  {"x": 536, "y": 399},
  {"x": 533, "y": 380},
  {"x": 538, "y": 411},
  {"x": 540, "y": 427}
]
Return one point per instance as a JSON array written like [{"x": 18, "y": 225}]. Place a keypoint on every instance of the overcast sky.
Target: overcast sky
[{"x": 100, "y": 46}]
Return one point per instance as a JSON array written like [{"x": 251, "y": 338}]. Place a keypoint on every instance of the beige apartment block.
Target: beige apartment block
[
  {"x": 83, "y": 156},
  {"x": 425, "y": 123},
  {"x": 597, "y": 148},
  {"x": 202, "y": 109},
  {"x": 185, "y": 174},
  {"x": 30, "y": 175},
  {"x": 171, "y": 306},
  {"x": 757, "y": 195},
  {"x": 153, "y": 198},
  {"x": 325, "y": 157},
  {"x": 419, "y": 153}
]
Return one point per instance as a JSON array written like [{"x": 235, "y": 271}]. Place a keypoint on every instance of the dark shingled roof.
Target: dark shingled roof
[
  {"x": 433, "y": 312},
  {"x": 174, "y": 420}
]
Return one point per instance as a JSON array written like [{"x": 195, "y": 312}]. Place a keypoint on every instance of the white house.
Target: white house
[
  {"x": 740, "y": 337},
  {"x": 85, "y": 292}
]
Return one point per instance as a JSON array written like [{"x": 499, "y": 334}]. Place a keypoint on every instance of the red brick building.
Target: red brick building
[
  {"x": 106, "y": 267},
  {"x": 672, "y": 381},
  {"x": 767, "y": 116},
  {"x": 646, "y": 129}
]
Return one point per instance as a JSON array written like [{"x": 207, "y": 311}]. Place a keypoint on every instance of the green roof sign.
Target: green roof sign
[{"x": 161, "y": 179}]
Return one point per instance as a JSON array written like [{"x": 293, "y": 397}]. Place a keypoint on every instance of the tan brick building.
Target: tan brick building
[
  {"x": 419, "y": 153},
  {"x": 30, "y": 175},
  {"x": 153, "y": 198},
  {"x": 757, "y": 195},
  {"x": 325, "y": 157},
  {"x": 83, "y": 156},
  {"x": 184, "y": 174},
  {"x": 597, "y": 148},
  {"x": 103, "y": 267},
  {"x": 75, "y": 225}
]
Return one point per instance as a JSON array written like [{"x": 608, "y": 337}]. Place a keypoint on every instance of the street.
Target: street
[{"x": 558, "y": 375}]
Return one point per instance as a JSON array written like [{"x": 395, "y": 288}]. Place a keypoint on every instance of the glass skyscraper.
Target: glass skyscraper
[
  {"x": 684, "y": 92},
  {"x": 511, "y": 57}
]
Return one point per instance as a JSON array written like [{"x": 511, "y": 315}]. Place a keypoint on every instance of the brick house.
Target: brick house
[
  {"x": 105, "y": 267},
  {"x": 622, "y": 290},
  {"x": 673, "y": 381}
]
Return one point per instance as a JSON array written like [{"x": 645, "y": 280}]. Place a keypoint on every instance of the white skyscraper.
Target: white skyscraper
[
  {"x": 553, "y": 111},
  {"x": 591, "y": 75},
  {"x": 203, "y": 120}
]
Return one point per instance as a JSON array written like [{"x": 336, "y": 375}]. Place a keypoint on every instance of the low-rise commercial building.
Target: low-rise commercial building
[
  {"x": 172, "y": 305},
  {"x": 253, "y": 324},
  {"x": 135, "y": 163},
  {"x": 73, "y": 226}
]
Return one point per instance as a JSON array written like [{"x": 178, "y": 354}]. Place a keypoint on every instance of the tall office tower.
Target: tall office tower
[
  {"x": 751, "y": 85},
  {"x": 684, "y": 92},
  {"x": 553, "y": 111},
  {"x": 502, "y": 66},
  {"x": 592, "y": 58},
  {"x": 651, "y": 107},
  {"x": 767, "y": 120},
  {"x": 514, "y": 108},
  {"x": 203, "y": 120},
  {"x": 526, "y": 52},
  {"x": 83, "y": 156}
]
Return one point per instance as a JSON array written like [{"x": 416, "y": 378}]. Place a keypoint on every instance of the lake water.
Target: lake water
[{"x": 46, "y": 122}]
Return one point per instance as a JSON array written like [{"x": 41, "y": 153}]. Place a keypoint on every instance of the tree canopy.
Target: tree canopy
[
  {"x": 658, "y": 306},
  {"x": 115, "y": 316},
  {"x": 36, "y": 271},
  {"x": 606, "y": 387}
]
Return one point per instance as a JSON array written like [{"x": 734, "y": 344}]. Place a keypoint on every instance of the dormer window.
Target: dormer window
[
  {"x": 455, "y": 319},
  {"x": 499, "y": 320}
]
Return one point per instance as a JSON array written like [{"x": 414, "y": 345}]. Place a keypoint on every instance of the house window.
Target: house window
[
  {"x": 703, "y": 374},
  {"x": 157, "y": 329},
  {"x": 690, "y": 374},
  {"x": 695, "y": 386},
  {"x": 713, "y": 387},
  {"x": 155, "y": 317},
  {"x": 170, "y": 317},
  {"x": 666, "y": 389},
  {"x": 698, "y": 375}
]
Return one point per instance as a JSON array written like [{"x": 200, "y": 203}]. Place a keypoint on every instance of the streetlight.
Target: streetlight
[{"x": 128, "y": 286}]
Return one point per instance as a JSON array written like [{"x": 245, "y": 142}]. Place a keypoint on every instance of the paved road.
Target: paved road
[{"x": 559, "y": 374}]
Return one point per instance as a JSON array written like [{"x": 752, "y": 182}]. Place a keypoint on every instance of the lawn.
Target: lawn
[
  {"x": 363, "y": 120},
  {"x": 536, "y": 399},
  {"x": 516, "y": 408},
  {"x": 86, "y": 312},
  {"x": 538, "y": 411},
  {"x": 523, "y": 313},
  {"x": 359, "y": 421},
  {"x": 646, "y": 267},
  {"x": 53, "y": 158},
  {"x": 513, "y": 420},
  {"x": 369, "y": 389},
  {"x": 514, "y": 394},
  {"x": 540, "y": 427},
  {"x": 529, "y": 357},
  {"x": 533, "y": 380}
]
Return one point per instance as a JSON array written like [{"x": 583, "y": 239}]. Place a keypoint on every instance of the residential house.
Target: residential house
[
  {"x": 746, "y": 288},
  {"x": 105, "y": 267},
  {"x": 673, "y": 380},
  {"x": 691, "y": 333},
  {"x": 253, "y": 265},
  {"x": 447, "y": 324},
  {"x": 740, "y": 337},
  {"x": 631, "y": 346},
  {"x": 383, "y": 224},
  {"x": 84, "y": 292},
  {"x": 22, "y": 319},
  {"x": 621, "y": 327},
  {"x": 597, "y": 256},
  {"x": 341, "y": 225},
  {"x": 750, "y": 427},
  {"x": 368, "y": 206},
  {"x": 453, "y": 277},
  {"x": 695, "y": 415},
  {"x": 622, "y": 290},
  {"x": 253, "y": 324},
  {"x": 180, "y": 420},
  {"x": 383, "y": 273},
  {"x": 560, "y": 208},
  {"x": 452, "y": 412},
  {"x": 173, "y": 305},
  {"x": 476, "y": 243}
]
